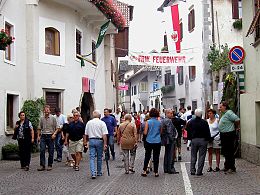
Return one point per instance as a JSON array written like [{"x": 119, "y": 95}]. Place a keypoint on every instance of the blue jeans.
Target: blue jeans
[
  {"x": 58, "y": 146},
  {"x": 110, "y": 140},
  {"x": 46, "y": 141},
  {"x": 95, "y": 149}
]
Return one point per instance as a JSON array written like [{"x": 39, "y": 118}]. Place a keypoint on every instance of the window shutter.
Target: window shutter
[
  {"x": 235, "y": 13},
  {"x": 189, "y": 29},
  {"x": 193, "y": 18}
]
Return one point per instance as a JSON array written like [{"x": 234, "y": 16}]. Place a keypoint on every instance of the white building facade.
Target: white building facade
[{"x": 42, "y": 61}]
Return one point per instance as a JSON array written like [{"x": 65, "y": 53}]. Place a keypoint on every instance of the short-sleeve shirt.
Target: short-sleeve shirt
[
  {"x": 76, "y": 131},
  {"x": 48, "y": 125},
  {"x": 96, "y": 128},
  {"x": 110, "y": 123},
  {"x": 154, "y": 131},
  {"x": 226, "y": 123},
  {"x": 20, "y": 130}
]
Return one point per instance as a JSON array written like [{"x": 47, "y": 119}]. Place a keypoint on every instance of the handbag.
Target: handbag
[{"x": 212, "y": 138}]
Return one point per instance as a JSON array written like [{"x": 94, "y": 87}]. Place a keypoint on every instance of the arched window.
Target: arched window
[{"x": 52, "y": 41}]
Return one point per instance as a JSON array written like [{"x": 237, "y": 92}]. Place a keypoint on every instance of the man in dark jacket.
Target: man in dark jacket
[
  {"x": 169, "y": 134},
  {"x": 200, "y": 135}
]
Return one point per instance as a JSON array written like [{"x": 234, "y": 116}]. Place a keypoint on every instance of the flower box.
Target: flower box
[{"x": 5, "y": 39}]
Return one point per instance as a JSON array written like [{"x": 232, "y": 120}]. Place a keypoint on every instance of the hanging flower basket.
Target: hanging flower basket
[
  {"x": 5, "y": 39},
  {"x": 111, "y": 11}
]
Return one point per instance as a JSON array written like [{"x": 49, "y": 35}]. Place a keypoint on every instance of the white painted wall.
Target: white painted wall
[
  {"x": 13, "y": 74},
  {"x": 249, "y": 104}
]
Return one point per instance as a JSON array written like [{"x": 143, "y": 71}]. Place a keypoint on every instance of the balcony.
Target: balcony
[{"x": 89, "y": 12}]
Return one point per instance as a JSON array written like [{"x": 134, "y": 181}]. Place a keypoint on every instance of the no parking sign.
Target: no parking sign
[{"x": 236, "y": 55}]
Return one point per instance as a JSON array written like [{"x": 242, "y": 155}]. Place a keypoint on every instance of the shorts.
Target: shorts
[
  {"x": 178, "y": 142},
  {"x": 216, "y": 144},
  {"x": 76, "y": 146}
]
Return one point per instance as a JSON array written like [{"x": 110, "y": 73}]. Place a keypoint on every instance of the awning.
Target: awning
[{"x": 254, "y": 23}]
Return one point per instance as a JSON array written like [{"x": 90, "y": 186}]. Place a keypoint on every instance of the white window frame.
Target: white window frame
[
  {"x": 145, "y": 84},
  {"x": 13, "y": 45},
  {"x": 51, "y": 59},
  {"x": 15, "y": 93}
]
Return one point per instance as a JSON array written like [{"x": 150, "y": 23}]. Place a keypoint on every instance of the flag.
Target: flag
[
  {"x": 177, "y": 69},
  {"x": 85, "y": 84},
  {"x": 176, "y": 27},
  {"x": 91, "y": 85},
  {"x": 168, "y": 3},
  {"x": 102, "y": 32}
]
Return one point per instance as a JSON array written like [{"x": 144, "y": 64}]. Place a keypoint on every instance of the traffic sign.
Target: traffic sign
[
  {"x": 237, "y": 68},
  {"x": 236, "y": 55}
]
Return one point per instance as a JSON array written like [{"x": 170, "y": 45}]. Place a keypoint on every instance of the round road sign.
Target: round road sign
[{"x": 236, "y": 55}]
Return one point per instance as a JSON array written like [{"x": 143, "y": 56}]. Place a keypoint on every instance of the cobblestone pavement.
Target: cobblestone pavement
[{"x": 64, "y": 180}]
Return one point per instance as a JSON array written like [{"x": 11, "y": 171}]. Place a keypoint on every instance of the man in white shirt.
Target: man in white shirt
[
  {"x": 61, "y": 119},
  {"x": 187, "y": 115},
  {"x": 96, "y": 133},
  {"x": 117, "y": 115}
]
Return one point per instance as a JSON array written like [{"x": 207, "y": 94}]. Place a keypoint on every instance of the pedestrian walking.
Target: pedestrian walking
[
  {"x": 65, "y": 150},
  {"x": 96, "y": 134},
  {"x": 178, "y": 123},
  {"x": 214, "y": 143},
  {"x": 200, "y": 135},
  {"x": 153, "y": 141},
  {"x": 47, "y": 131},
  {"x": 61, "y": 120},
  {"x": 75, "y": 136},
  {"x": 228, "y": 125},
  {"x": 112, "y": 128},
  {"x": 127, "y": 134},
  {"x": 169, "y": 135},
  {"x": 24, "y": 134}
]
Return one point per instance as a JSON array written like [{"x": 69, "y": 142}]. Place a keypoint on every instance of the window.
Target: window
[
  {"x": 236, "y": 9},
  {"x": 9, "y": 51},
  {"x": 135, "y": 92},
  {"x": 191, "y": 20},
  {"x": 181, "y": 31},
  {"x": 192, "y": 73},
  {"x": 112, "y": 71},
  {"x": 143, "y": 87},
  {"x": 52, "y": 41},
  {"x": 94, "y": 58},
  {"x": 194, "y": 105},
  {"x": 257, "y": 27},
  {"x": 12, "y": 109},
  {"x": 78, "y": 42},
  {"x": 180, "y": 75},
  {"x": 169, "y": 80}
]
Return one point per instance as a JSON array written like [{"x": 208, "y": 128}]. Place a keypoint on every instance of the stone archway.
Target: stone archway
[{"x": 87, "y": 107}]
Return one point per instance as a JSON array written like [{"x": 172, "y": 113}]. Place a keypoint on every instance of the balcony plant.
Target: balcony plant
[
  {"x": 237, "y": 24},
  {"x": 5, "y": 39},
  {"x": 167, "y": 89}
]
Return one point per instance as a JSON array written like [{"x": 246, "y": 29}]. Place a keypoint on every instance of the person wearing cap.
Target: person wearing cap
[{"x": 61, "y": 120}]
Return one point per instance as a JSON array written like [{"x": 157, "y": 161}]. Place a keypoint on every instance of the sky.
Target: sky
[{"x": 147, "y": 28}]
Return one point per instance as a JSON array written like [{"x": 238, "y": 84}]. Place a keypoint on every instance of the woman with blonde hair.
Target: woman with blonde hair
[{"x": 127, "y": 135}]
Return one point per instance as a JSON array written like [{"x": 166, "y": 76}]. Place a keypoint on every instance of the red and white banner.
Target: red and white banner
[
  {"x": 159, "y": 59},
  {"x": 123, "y": 87},
  {"x": 176, "y": 27},
  {"x": 85, "y": 84}
]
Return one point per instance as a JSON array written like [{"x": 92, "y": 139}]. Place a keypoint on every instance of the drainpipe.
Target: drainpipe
[{"x": 213, "y": 21}]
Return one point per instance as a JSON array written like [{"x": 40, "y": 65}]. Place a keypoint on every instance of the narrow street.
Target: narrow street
[{"x": 64, "y": 180}]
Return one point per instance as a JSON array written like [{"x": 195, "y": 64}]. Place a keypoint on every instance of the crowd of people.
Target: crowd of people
[{"x": 69, "y": 136}]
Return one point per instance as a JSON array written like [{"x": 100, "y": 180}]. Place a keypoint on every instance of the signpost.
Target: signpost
[{"x": 237, "y": 68}]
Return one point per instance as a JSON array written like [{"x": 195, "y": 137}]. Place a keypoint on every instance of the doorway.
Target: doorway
[
  {"x": 12, "y": 110},
  {"x": 87, "y": 107},
  {"x": 53, "y": 100}
]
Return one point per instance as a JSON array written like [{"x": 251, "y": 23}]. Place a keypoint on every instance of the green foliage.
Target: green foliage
[
  {"x": 230, "y": 91},
  {"x": 218, "y": 58},
  {"x": 238, "y": 24},
  {"x": 10, "y": 148},
  {"x": 5, "y": 39},
  {"x": 32, "y": 109},
  {"x": 167, "y": 89}
]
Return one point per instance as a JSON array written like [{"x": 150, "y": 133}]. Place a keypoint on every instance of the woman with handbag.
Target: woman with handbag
[
  {"x": 127, "y": 135},
  {"x": 215, "y": 142},
  {"x": 24, "y": 134},
  {"x": 153, "y": 141}
]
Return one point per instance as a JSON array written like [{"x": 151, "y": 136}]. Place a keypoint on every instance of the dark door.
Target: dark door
[
  {"x": 9, "y": 111},
  {"x": 87, "y": 107},
  {"x": 53, "y": 100}
]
